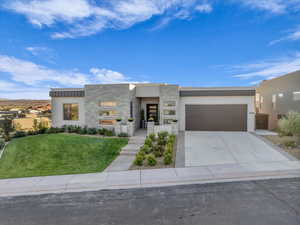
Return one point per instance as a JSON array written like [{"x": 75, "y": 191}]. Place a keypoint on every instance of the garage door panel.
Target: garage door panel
[{"x": 216, "y": 117}]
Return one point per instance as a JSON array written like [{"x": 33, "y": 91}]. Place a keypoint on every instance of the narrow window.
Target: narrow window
[
  {"x": 169, "y": 103},
  {"x": 169, "y": 112},
  {"x": 296, "y": 95},
  {"x": 274, "y": 101},
  {"x": 131, "y": 109},
  {"x": 108, "y": 113},
  {"x": 71, "y": 111},
  {"x": 107, "y": 122},
  {"x": 107, "y": 104}
]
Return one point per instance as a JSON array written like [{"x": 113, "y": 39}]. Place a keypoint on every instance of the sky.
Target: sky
[{"x": 68, "y": 43}]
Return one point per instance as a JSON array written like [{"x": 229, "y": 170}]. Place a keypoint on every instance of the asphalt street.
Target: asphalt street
[{"x": 271, "y": 202}]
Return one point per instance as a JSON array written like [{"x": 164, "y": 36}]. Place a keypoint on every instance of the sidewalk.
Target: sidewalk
[{"x": 148, "y": 178}]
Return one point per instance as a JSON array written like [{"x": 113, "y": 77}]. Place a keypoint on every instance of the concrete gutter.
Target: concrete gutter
[{"x": 149, "y": 178}]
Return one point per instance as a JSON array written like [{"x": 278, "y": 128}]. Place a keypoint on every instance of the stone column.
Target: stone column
[
  {"x": 150, "y": 128},
  {"x": 118, "y": 127},
  {"x": 130, "y": 128},
  {"x": 175, "y": 127}
]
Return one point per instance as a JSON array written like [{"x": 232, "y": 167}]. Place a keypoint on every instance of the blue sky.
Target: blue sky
[{"x": 55, "y": 43}]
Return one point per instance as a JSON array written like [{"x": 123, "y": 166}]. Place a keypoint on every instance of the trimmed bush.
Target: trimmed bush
[
  {"x": 101, "y": 131},
  {"x": 146, "y": 149},
  {"x": 138, "y": 160},
  {"x": 151, "y": 160},
  {"x": 162, "y": 138},
  {"x": 109, "y": 133},
  {"x": 168, "y": 158},
  {"x": 152, "y": 137},
  {"x": 92, "y": 131},
  {"x": 149, "y": 142},
  {"x": 123, "y": 134},
  {"x": 19, "y": 134}
]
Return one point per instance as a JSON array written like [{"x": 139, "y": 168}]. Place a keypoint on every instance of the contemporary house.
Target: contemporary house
[
  {"x": 192, "y": 108},
  {"x": 276, "y": 97}
]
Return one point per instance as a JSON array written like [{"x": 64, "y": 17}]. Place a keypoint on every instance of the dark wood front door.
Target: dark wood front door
[{"x": 152, "y": 112}]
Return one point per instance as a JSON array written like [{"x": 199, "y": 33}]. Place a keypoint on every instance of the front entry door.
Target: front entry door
[{"x": 152, "y": 112}]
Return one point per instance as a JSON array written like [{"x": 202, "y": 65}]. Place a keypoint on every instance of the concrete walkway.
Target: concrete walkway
[
  {"x": 128, "y": 153},
  {"x": 149, "y": 178}
]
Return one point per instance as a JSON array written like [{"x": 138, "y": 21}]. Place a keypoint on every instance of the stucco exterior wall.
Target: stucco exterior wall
[
  {"x": 282, "y": 86},
  {"x": 57, "y": 111},
  {"x": 249, "y": 100}
]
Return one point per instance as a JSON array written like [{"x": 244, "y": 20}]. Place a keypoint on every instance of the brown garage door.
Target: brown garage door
[{"x": 216, "y": 117}]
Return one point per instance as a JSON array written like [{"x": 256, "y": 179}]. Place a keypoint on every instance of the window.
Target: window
[
  {"x": 131, "y": 109},
  {"x": 169, "y": 112},
  {"x": 280, "y": 95},
  {"x": 108, "y": 113},
  {"x": 296, "y": 95},
  {"x": 107, "y": 104},
  {"x": 107, "y": 122},
  {"x": 71, "y": 111},
  {"x": 168, "y": 121},
  {"x": 169, "y": 103},
  {"x": 274, "y": 101}
]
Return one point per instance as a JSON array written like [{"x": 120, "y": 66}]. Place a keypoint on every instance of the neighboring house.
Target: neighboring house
[
  {"x": 278, "y": 96},
  {"x": 203, "y": 109}
]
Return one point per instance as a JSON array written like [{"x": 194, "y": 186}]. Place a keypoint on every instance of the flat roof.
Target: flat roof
[{"x": 215, "y": 88}]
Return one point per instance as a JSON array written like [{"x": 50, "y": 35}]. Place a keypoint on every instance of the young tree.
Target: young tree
[
  {"x": 7, "y": 128},
  {"x": 35, "y": 125}
]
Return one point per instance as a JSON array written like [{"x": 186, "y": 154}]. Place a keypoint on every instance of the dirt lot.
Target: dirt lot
[{"x": 280, "y": 141}]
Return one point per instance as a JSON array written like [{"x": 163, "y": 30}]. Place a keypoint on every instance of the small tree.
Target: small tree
[
  {"x": 7, "y": 128},
  {"x": 35, "y": 124}
]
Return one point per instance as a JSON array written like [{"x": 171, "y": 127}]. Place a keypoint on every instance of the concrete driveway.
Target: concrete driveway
[{"x": 217, "y": 148}]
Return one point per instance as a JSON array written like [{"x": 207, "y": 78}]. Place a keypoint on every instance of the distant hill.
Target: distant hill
[{"x": 22, "y": 103}]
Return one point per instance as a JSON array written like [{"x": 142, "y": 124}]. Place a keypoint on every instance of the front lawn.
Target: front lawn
[{"x": 58, "y": 154}]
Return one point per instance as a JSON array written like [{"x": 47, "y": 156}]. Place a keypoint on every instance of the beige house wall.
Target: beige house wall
[{"x": 283, "y": 88}]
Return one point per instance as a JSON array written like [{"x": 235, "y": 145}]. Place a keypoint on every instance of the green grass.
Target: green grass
[{"x": 58, "y": 154}]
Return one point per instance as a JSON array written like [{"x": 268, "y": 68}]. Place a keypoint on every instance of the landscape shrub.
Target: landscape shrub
[
  {"x": 290, "y": 125},
  {"x": 139, "y": 159},
  {"x": 151, "y": 160},
  {"x": 162, "y": 138},
  {"x": 290, "y": 144},
  {"x": 152, "y": 137},
  {"x": 101, "y": 131},
  {"x": 83, "y": 130},
  {"x": 158, "y": 150},
  {"x": 170, "y": 148},
  {"x": 92, "y": 131},
  {"x": 149, "y": 142},
  {"x": 19, "y": 134},
  {"x": 172, "y": 138},
  {"x": 146, "y": 148},
  {"x": 109, "y": 133},
  {"x": 123, "y": 134},
  {"x": 142, "y": 154},
  {"x": 168, "y": 158}
]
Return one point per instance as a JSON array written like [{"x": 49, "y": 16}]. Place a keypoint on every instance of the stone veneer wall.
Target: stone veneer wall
[
  {"x": 168, "y": 93},
  {"x": 114, "y": 92}
]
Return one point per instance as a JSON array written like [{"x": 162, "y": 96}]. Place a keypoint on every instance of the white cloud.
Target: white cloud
[
  {"x": 47, "y": 12},
  {"x": 86, "y": 17},
  {"x": 274, "y": 6},
  {"x": 270, "y": 68},
  {"x": 32, "y": 74},
  {"x": 205, "y": 8},
  {"x": 37, "y": 50},
  {"x": 108, "y": 76},
  {"x": 27, "y": 79}
]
